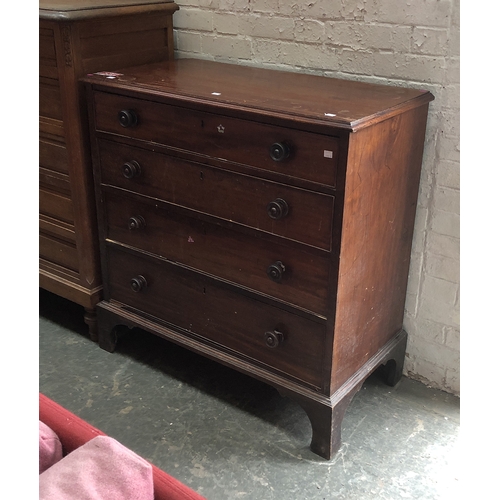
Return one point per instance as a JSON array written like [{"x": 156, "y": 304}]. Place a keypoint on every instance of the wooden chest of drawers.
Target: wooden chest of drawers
[
  {"x": 77, "y": 38},
  {"x": 261, "y": 218}
]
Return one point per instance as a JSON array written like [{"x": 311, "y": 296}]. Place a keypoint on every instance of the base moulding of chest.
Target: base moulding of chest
[{"x": 325, "y": 412}]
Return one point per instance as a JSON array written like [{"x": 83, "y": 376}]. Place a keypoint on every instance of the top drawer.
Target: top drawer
[{"x": 297, "y": 153}]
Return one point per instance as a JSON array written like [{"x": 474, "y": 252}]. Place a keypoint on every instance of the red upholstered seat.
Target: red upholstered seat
[{"x": 74, "y": 432}]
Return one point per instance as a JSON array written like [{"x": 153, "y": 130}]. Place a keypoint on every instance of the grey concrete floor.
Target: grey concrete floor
[{"x": 228, "y": 436}]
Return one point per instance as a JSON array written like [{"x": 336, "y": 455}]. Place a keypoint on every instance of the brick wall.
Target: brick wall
[{"x": 413, "y": 43}]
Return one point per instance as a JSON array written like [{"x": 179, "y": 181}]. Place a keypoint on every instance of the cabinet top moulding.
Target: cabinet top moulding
[
  {"x": 348, "y": 105},
  {"x": 70, "y": 10}
]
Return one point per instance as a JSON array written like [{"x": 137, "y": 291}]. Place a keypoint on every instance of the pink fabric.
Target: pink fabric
[
  {"x": 49, "y": 447},
  {"x": 74, "y": 432},
  {"x": 101, "y": 469}
]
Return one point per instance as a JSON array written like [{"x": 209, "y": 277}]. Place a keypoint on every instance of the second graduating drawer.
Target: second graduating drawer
[
  {"x": 274, "y": 269},
  {"x": 293, "y": 213}
]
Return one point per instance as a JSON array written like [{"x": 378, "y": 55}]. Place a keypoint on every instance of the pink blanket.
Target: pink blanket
[
  {"x": 50, "y": 448},
  {"x": 101, "y": 469}
]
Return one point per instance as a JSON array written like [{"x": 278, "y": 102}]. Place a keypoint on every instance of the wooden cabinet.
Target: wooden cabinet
[
  {"x": 77, "y": 38},
  {"x": 263, "y": 219}
]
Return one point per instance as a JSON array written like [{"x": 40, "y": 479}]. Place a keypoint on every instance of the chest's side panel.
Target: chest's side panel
[{"x": 381, "y": 189}]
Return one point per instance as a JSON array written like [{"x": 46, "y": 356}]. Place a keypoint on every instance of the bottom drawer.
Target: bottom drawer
[{"x": 280, "y": 340}]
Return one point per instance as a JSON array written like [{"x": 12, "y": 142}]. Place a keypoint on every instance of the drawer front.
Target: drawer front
[
  {"x": 194, "y": 304},
  {"x": 59, "y": 252},
  {"x": 57, "y": 229},
  {"x": 311, "y": 156},
  {"x": 46, "y": 46},
  {"x": 50, "y": 99},
  {"x": 47, "y": 54},
  {"x": 299, "y": 277},
  {"x": 55, "y": 205},
  {"x": 53, "y": 156},
  {"x": 227, "y": 195}
]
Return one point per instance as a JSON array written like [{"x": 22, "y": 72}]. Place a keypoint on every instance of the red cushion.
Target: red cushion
[{"x": 73, "y": 432}]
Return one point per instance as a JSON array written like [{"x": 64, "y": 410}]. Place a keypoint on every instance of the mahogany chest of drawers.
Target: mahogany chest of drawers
[
  {"x": 76, "y": 38},
  {"x": 261, "y": 218}
]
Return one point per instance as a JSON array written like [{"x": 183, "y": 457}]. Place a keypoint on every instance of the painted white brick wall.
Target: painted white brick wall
[{"x": 415, "y": 43}]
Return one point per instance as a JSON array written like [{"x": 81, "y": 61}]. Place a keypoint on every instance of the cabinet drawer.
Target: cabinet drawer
[
  {"x": 46, "y": 45},
  {"x": 221, "y": 252},
  {"x": 235, "y": 323},
  {"x": 50, "y": 99},
  {"x": 306, "y": 216},
  {"x": 53, "y": 156},
  {"x": 55, "y": 205},
  {"x": 57, "y": 229},
  {"x": 59, "y": 252},
  {"x": 47, "y": 66},
  {"x": 311, "y": 157}
]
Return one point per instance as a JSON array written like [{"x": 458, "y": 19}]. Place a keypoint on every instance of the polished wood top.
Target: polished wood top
[
  {"x": 343, "y": 103},
  {"x": 71, "y": 10}
]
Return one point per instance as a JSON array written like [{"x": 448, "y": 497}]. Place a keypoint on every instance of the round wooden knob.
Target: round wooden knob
[
  {"x": 273, "y": 339},
  {"x": 279, "y": 151},
  {"x": 277, "y": 209},
  {"x": 138, "y": 283},
  {"x": 136, "y": 222},
  {"x": 131, "y": 169},
  {"x": 275, "y": 271},
  {"x": 127, "y": 118}
]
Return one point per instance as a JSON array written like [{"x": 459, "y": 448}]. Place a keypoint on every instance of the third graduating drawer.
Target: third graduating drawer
[{"x": 269, "y": 266}]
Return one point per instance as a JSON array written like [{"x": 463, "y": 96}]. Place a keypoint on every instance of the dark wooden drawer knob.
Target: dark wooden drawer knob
[
  {"x": 138, "y": 283},
  {"x": 277, "y": 209},
  {"x": 279, "y": 151},
  {"x": 127, "y": 118},
  {"x": 131, "y": 169},
  {"x": 273, "y": 339},
  {"x": 136, "y": 222},
  {"x": 275, "y": 271}
]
